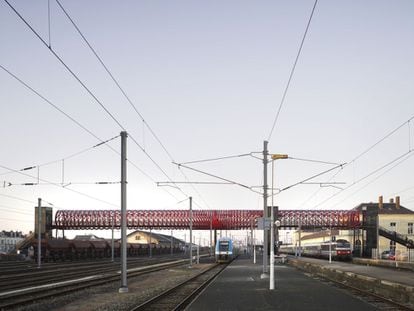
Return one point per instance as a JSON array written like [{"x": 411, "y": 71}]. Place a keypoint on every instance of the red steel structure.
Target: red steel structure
[{"x": 202, "y": 219}]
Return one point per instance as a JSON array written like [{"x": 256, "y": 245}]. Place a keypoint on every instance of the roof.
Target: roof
[
  {"x": 387, "y": 208},
  {"x": 87, "y": 237},
  {"x": 160, "y": 237}
]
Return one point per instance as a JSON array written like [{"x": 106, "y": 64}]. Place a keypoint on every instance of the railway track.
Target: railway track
[
  {"x": 378, "y": 301},
  {"x": 179, "y": 296},
  {"x": 15, "y": 298},
  {"x": 61, "y": 272}
]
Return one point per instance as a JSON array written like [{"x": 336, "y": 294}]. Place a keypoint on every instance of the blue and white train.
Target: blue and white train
[{"x": 225, "y": 251}]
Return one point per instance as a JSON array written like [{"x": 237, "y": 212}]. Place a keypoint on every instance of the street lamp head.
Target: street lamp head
[{"x": 278, "y": 156}]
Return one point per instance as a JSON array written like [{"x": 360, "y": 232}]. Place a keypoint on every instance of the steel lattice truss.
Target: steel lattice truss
[{"x": 202, "y": 219}]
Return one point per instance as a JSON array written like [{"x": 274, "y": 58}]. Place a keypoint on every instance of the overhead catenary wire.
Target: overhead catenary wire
[
  {"x": 60, "y": 186},
  {"x": 358, "y": 156},
  {"x": 25, "y": 200},
  {"x": 79, "y": 124},
  {"x": 80, "y": 82},
  {"x": 131, "y": 104},
  {"x": 218, "y": 177},
  {"x": 292, "y": 72},
  {"x": 217, "y": 159},
  {"x": 364, "y": 177},
  {"x": 402, "y": 159},
  {"x": 113, "y": 78},
  {"x": 72, "y": 155},
  {"x": 66, "y": 67},
  {"x": 17, "y": 198},
  {"x": 315, "y": 161}
]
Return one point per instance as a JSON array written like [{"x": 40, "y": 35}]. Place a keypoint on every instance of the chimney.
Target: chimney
[
  {"x": 397, "y": 202},
  {"x": 391, "y": 200},
  {"x": 380, "y": 202}
]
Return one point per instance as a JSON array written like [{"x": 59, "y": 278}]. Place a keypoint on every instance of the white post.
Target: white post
[
  {"x": 300, "y": 231},
  {"x": 172, "y": 244},
  {"x": 112, "y": 240},
  {"x": 150, "y": 244},
  {"x": 330, "y": 243},
  {"x": 39, "y": 233},
  {"x": 272, "y": 238},
  {"x": 265, "y": 213},
  {"x": 198, "y": 250},
  {"x": 191, "y": 232}
]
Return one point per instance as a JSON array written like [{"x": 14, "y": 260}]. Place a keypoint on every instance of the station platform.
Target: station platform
[
  {"x": 239, "y": 287},
  {"x": 390, "y": 274}
]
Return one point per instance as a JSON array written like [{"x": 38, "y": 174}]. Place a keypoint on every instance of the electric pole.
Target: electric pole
[{"x": 124, "y": 285}]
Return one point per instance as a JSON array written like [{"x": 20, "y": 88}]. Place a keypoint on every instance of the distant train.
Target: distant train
[
  {"x": 340, "y": 250},
  {"x": 64, "y": 249},
  {"x": 225, "y": 250}
]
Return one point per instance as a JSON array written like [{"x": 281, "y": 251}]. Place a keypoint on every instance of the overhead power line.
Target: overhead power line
[
  {"x": 400, "y": 160},
  {"x": 60, "y": 186},
  {"x": 81, "y": 82},
  {"x": 389, "y": 134},
  {"x": 146, "y": 124},
  {"x": 79, "y": 124},
  {"x": 218, "y": 177},
  {"x": 113, "y": 77},
  {"x": 366, "y": 176},
  {"x": 217, "y": 159},
  {"x": 66, "y": 66},
  {"x": 72, "y": 155},
  {"x": 292, "y": 72}
]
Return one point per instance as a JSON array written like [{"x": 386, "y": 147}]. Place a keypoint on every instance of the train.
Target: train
[
  {"x": 65, "y": 249},
  {"x": 340, "y": 250},
  {"x": 225, "y": 250}
]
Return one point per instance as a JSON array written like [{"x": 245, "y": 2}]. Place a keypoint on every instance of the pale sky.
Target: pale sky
[{"x": 208, "y": 77}]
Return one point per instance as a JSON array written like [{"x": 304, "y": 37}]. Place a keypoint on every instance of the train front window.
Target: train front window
[
  {"x": 224, "y": 246},
  {"x": 343, "y": 245}
]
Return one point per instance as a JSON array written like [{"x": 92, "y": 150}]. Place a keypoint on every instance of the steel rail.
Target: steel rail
[
  {"x": 28, "y": 296},
  {"x": 158, "y": 302}
]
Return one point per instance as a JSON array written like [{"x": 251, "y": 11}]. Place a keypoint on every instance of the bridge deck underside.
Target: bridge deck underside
[{"x": 202, "y": 219}]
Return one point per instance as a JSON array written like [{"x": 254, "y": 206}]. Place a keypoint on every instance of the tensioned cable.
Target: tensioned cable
[
  {"x": 129, "y": 101},
  {"x": 363, "y": 153},
  {"x": 50, "y": 103},
  {"x": 363, "y": 178},
  {"x": 78, "y": 124},
  {"x": 13, "y": 210},
  {"x": 292, "y": 71},
  {"x": 314, "y": 161},
  {"x": 312, "y": 177},
  {"x": 220, "y": 158},
  {"x": 20, "y": 220},
  {"x": 218, "y": 177},
  {"x": 67, "y": 157},
  {"x": 93, "y": 96},
  {"x": 17, "y": 198},
  {"x": 382, "y": 139},
  {"x": 80, "y": 81},
  {"x": 66, "y": 66},
  {"x": 60, "y": 186},
  {"x": 112, "y": 77},
  {"x": 401, "y": 191},
  {"x": 408, "y": 155},
  {"x": 27, "y": 201}
]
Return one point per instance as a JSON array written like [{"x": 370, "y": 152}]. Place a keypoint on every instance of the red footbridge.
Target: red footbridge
[{"x": 202, "y": 219}]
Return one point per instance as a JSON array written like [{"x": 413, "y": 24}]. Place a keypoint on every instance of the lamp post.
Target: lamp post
[{"x": 272, "y": 225}]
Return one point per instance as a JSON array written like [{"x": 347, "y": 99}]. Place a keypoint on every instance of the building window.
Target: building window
[
  {"x": 410, "y": 228},
  {"x": 392, "y": 225},
  {"x": 137, "y": 237}
]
